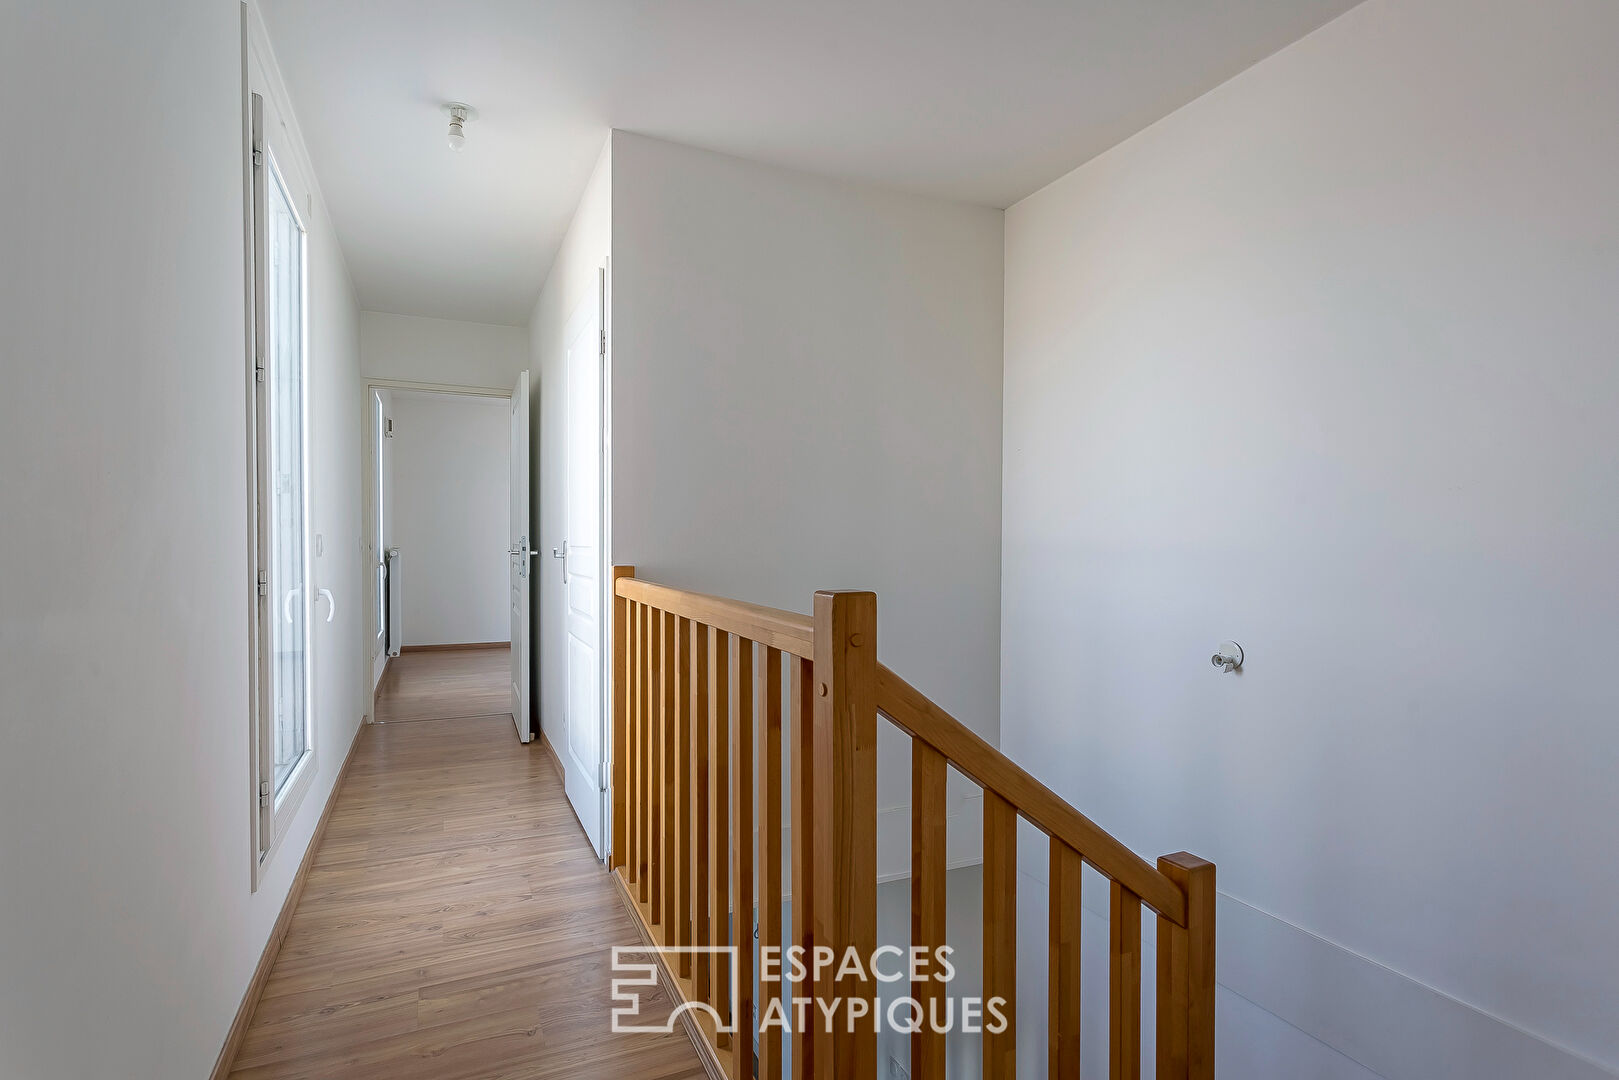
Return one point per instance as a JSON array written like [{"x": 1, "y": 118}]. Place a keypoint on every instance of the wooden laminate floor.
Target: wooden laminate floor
[
  {"x": 452, "y": 682},
  {"x": 455, "y": 925}
]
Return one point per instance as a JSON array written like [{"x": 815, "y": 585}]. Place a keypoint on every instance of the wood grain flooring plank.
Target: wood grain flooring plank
[
  {"x": 455, "y": 923},
  {"x": 439, "y": 685}
]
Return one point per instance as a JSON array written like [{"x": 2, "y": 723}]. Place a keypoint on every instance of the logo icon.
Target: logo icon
[{"x": 631, "y": 975}]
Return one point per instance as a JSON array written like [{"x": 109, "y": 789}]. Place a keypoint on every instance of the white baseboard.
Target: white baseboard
[
  {"x": 1383, "y": 1021},
  {"x": 1375, "y": 1016}
]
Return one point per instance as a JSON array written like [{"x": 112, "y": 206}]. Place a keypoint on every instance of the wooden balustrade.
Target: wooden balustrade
[{"x": 702, "y": 765}]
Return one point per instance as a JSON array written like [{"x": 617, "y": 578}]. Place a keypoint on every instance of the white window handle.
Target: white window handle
[
  {"x": 331, "y": 610},
  {"x": 286, "y": 602}
]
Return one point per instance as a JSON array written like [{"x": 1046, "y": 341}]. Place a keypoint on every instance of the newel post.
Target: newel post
[
  {"x": 845, "y": 845},
  {"x": 1186, "y": 974},
  {"x": 620, "y": 675}
]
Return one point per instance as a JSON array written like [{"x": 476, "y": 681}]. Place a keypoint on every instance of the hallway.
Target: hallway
[
  {"x": 455, "y": 922},
  {"x": 437, "y": 684}
]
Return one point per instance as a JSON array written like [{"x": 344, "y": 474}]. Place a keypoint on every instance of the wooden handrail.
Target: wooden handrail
[
  {"x": 785, "y": 630},
  {"x": 992, "y": 770}
]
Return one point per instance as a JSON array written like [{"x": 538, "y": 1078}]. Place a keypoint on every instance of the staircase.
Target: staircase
[{"x": 700, "y": 751}]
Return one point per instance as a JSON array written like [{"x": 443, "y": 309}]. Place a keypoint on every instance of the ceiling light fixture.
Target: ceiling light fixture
[{"x": 460, "y": 114}]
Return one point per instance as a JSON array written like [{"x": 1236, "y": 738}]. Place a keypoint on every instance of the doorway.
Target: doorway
[{"x": 447, "y": 481}]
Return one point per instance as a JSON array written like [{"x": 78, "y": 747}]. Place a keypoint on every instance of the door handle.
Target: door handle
[
  {"x": 286, "y": 602},
  {"x": 331, "y": 604},
  {"x": 562, "y": 553}
]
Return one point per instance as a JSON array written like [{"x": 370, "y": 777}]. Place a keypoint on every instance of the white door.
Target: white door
[
  {"x": 519, "y": 554},
  {"x": 582, "y": 564}
]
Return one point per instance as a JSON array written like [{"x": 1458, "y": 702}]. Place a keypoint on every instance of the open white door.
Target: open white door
[
  {"x": 582, "y": 565},
  {"x": 519, "y": 554}
]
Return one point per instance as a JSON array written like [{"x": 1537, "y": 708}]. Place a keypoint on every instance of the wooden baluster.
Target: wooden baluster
[
  {"x": 812, "y": 1051},
  {"x": 1066, "y": 912},
  {"x": 846, "y": 741},
  {"x": 1124, "y": 985},
  {"x": 682, "y": 859},
  {"x": 741, "y": 696},
  {"x": 637, "y": 807},
  {"x": 701, "y": 965},
  {"x": 1000, "y": 935},
  {"x": 770, "y": 854},
  {"x": 643, "y": 687},
  {"x": 621, "y": 717},
  {"x": 928, "y": 833},
  {"x": 719, "y": 821},
  {"x": 655, "y": 739},
  {"x": 1186, "y": 974},
  {"x": 669, "y": 854}
]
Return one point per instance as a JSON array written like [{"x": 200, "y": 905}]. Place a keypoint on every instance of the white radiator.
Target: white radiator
[{"x": 396, "y": 622}]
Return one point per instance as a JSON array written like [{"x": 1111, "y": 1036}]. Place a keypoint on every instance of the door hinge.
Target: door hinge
[
  {"x": 604, "y": 343},
  {"x": 264, "y": 583},
  {"x": 258, "y": 373},
  {"x": 601, "y": 777},
  {"x": 264, "y": 793}
]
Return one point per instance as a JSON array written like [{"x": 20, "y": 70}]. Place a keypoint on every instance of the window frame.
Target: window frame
[{"x": 276, "y": 808}]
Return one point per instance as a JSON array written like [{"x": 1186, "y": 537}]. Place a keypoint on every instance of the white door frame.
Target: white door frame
[
  {"x": 521, "y": 588},
  {"x": 372, "y": 542},
  {"x": 368, "y": 470},
  {"x": 605, "y": 277}
]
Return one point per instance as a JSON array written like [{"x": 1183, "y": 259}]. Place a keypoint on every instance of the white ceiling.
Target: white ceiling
[{"x": 978, "y": 100}]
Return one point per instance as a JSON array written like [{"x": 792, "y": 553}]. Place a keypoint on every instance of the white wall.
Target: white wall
[
  {"x": 446, "y": 352},
  {"x": 1323, "y": 362},
  {"x": 571, "y": 281},
  {"x": 452, "y": 506},
  {"x": 806, "y": 394},
  {"x": 128, "y": 928}
]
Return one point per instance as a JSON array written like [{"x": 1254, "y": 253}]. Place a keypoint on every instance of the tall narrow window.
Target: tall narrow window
[
  {"x": 283, "y": 549},
  {"x": 284, "y": 384}
]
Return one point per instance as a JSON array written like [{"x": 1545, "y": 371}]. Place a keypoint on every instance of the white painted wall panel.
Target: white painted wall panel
[
  {"x": 807, "y": 395},
  {"x": 1323, "y": 363},
  {"x": 128, "y": 924},
  {"x": 571, "y": 282},
  {"x": 446, "y": 352}
]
